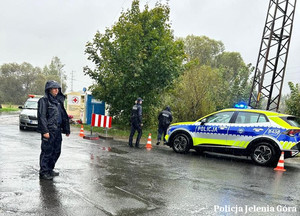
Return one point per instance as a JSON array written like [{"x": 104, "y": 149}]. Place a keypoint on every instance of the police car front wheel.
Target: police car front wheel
[
  {"x": 263, "y": 154},
  {"x": 181, "y": 143}
]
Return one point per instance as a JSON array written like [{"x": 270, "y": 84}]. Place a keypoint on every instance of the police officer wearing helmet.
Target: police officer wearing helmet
[
  {"x": 52, "y": 122},
  {"x": 136, "y": 122},
  {"x": 164, "y": 118}
]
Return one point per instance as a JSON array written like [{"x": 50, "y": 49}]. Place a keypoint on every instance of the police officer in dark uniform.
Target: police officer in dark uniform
[
  {"x": 52, "y": 122},
  {"x": 136, "y": 122},
  {"x": 164, "y": 118}
]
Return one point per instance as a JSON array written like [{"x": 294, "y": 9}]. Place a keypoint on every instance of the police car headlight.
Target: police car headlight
[{"x": 22, "y": 116}]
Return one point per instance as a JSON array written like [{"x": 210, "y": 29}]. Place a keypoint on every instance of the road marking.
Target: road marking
[
  {"x": 89, "y": 201},
  {"x": 140, "y": 198}
]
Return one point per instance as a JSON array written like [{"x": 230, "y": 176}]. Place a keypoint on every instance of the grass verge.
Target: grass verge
[
  {"x": 9, "y": 108},
  {"x": 120, "y": 132}
]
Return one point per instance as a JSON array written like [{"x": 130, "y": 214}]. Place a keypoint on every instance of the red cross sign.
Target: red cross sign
[{"x": 75, "y": 100}]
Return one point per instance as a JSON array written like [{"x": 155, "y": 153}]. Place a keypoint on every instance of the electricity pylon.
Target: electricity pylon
[{"x": 273, "y": 55}]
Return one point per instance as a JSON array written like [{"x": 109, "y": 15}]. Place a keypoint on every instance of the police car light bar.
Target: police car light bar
[
  {"x": 241, "y": 106},
  {"x": 33, "y": 96}
]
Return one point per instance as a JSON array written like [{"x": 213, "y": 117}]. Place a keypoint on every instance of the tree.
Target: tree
[
  {"x": 19, "y": 80},
  {"x": 39, "y": 85},
  {"x": 293, "y": 101},
  {"x": 55, "y": 72},
  {"x": 11, "y": 90},
  {"x": 137, "y": 57},
  {"x": 202, "y": 49},
  {"x": 234, "y": 74},
  {"x": 232, "y": 70},
  {"x": 195, "y": 93},
  {"x": 29, "y": 77},
  {"x": 213, "y": 79}
]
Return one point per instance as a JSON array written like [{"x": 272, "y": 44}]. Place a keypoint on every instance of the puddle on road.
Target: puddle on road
[{"x": 115, "y": 150}]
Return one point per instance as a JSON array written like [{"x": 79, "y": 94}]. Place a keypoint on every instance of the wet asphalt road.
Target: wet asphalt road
[{"x": 108, "y": 178}]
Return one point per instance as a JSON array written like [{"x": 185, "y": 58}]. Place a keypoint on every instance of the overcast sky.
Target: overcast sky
[{"x": 34, "y": 31}]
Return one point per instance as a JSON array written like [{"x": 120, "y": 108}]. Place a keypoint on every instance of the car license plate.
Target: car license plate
[{"x": 33, "y": 122}]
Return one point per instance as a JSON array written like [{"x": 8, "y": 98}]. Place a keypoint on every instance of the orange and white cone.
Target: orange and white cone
[
  {"x": 280, "y": 164},
  {"x": 81, "y": 131},
  {"x": 149, "y": 145}
]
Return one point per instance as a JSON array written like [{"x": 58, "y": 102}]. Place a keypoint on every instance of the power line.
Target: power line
[
  {"x": 118, "y": 11},
  {"x": 82, "y": 81}
]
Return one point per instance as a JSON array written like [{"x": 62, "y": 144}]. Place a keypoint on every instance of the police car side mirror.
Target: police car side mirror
[{"x": 203, "y": 121}]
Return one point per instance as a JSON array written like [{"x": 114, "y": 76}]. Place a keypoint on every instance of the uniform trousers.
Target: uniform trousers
[
  {"x": 135, "y": 126},
  {"x": 51, "y": 149}
]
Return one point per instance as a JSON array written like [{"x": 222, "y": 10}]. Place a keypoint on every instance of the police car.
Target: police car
[
  {"x": 28, "y": 114},
  {"x": 263, "y": 135}
]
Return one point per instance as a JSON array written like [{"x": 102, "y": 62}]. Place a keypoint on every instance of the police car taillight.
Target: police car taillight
[
  {"x": 31, "y": 96},
  {"x": 291, "y": 132}
]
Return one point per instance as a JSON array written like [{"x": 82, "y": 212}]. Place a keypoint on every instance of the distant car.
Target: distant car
[
  {"x": 263, "y": 135},
  {"x": 28, "y": 115}
]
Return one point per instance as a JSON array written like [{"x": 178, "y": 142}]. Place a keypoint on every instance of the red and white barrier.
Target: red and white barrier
[{"x": 101, "y": 121}]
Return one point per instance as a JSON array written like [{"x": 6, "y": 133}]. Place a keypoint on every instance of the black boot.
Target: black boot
[
  {"x": 46, "y": 176},
  {"x": 53, "y": 173}
]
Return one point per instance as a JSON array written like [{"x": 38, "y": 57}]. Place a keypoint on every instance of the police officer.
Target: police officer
[
  {"x": 52, "y": 121},
  {"x": 164, "y": 118},
  {"x": 136, "y": 122}
]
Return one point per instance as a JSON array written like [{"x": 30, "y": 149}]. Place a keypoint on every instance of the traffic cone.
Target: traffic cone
[
  {"x": 81, "y": 131},
  {"x": 148, "y": 145},
  {"x": 280, "y": 164}
]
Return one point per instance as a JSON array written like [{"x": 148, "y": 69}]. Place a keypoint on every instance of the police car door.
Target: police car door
[
  {"x": 213, "y": 129},
  {"x": 246, "y": 127}
]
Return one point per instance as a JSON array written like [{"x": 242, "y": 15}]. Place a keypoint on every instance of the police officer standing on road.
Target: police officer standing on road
[
  {"x": 136, "y": 122},
  {"x": 164, "y": 118},
  {"x": 52, "y": 121}
]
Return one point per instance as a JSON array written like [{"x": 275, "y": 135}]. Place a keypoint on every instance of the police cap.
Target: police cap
[{"x": 139, "y": 99}]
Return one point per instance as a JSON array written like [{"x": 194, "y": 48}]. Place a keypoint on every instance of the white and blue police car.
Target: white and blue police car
[{"x": 261, "y": 134}]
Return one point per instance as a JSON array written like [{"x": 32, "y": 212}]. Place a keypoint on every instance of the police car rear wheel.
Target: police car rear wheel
[
  {"x": 181, "y": 143},
  {"x": 263, "y": 154}
]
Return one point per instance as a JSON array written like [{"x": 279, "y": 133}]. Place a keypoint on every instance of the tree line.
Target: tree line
[
  {"x": 19, "y": 80},
  {"x": 140, "y": 57}
]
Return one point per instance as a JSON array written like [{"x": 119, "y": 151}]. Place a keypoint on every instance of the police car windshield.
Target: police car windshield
[
  {"x": 31, "y": 105},
  {"x": 293, "y": 121}
]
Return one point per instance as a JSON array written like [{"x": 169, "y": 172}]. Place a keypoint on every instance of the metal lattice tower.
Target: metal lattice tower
[{"x": 273, "y": 54}]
